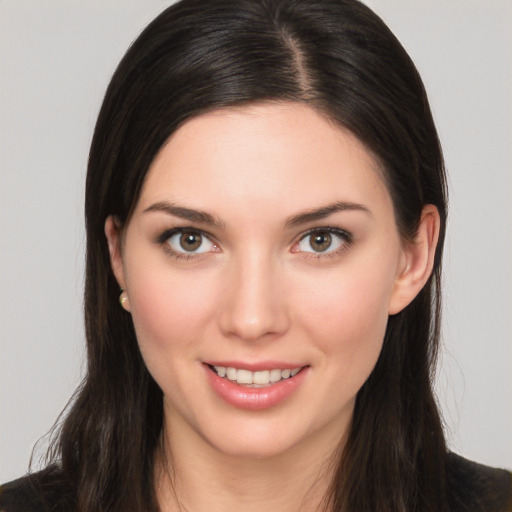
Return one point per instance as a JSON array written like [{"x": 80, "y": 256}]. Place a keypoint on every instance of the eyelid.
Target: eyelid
[
  {"x": 166, "y": 234},
  {"x": 345, "y": 236},
  {"x": 346, "y": 241},
  {"x": 163, "y": 239}
]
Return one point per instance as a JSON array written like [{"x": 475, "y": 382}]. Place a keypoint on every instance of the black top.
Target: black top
[{"x": 471, "y": 487}]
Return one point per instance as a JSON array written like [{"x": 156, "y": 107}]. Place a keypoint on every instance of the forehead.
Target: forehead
[{"x": 275, "y": 154}]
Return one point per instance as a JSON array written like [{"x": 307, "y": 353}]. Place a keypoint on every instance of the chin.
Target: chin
[
  {"x": 267, "y": 447},
  {"x": 262, "y": 438}
]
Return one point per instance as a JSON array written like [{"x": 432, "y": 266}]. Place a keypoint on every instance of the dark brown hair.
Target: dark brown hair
[{"x": 338, "y": 57}]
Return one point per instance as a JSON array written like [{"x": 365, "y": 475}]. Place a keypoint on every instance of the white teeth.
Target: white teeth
[
  {"x": 221, "y": 371},
  {"x": 275, "y": 375},
  {"x": 231, "y": 373},
  {"x": 261, "y": 377},
  {"x": 255, "y": 379},
  {"x": 244, "y": 377}
]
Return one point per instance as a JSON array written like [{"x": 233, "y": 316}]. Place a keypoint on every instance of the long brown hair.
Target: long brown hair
[{"x": 338, "y": 57}]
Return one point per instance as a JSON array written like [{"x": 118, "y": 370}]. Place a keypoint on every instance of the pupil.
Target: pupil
[
  {"x": 190, "y": 241},
  {"x": 321, "y": 242}
]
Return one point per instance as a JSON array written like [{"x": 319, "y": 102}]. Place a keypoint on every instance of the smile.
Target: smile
[
  {"x": 255, "y": 390},
  {"x": 259, "y": 379}
]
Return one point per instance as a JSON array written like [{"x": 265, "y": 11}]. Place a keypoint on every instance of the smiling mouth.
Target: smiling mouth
[{"x": 260, "y": 379}]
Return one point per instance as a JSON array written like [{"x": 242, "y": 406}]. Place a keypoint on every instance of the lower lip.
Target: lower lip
[{"x": 255, "y": 399}]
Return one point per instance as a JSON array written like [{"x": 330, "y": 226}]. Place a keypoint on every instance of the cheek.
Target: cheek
[
  {"x": 170, "y": 310},
  {"x": 170, "y": 315},
  {"x": 347, "y": 316}
]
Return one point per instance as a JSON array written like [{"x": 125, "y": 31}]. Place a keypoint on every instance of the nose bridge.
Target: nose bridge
[{"x": 254, "y": 304}]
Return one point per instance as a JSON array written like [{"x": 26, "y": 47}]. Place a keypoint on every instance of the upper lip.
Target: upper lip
[{"x": 256, "y": 366}]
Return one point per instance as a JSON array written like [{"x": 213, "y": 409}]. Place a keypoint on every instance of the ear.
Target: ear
[
  {"x": 417, "y": 261},
  {"x": 113, "y": 232}
]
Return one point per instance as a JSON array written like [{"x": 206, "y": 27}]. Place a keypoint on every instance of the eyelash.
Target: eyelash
[
  {"x": 163, "y": 240},
  {"x": 346, "y": 240}
]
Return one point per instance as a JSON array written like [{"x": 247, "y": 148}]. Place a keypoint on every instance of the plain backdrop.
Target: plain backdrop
[{"x": 56, "y": 58}]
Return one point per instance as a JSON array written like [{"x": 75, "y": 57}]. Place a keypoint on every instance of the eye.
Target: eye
[
  {"x": 189, "y": 241},
  {"x": 323, "y": 241}
]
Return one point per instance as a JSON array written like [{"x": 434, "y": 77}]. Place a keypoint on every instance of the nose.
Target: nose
[{"x": 254, "y": 305}]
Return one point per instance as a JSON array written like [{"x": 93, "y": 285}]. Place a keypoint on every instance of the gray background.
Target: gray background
[{"x": 56, "y": 58}]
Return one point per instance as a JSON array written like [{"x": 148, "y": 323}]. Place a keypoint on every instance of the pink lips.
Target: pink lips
[{"x": 255, "y": 399}]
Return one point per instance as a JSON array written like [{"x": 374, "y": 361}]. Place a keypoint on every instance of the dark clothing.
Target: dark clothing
[
  {"x": 471, "y": 487},
  {"x": 38, "y": 492}
]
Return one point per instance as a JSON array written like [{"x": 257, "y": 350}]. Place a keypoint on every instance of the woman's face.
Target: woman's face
[{"x": 264, "y": 244}]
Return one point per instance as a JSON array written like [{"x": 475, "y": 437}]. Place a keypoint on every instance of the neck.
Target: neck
[{"x": 192, "y": 476}]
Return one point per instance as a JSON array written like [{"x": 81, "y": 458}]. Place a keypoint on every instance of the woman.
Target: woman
[{"x": 266, "y": 188}]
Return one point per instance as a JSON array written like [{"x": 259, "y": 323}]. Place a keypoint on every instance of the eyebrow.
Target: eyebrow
[
  {"x": 186, "y": 213},
  {"x": 203, "y": 217},
  {"x": 324, "y": 212}
]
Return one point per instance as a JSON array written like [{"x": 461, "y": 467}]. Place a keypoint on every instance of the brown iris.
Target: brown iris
[
  {"x": 190, "y": 240},
  {"x": 320, "y": 241}
]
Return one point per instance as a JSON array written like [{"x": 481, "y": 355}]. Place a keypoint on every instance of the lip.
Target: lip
[
  {"x": 257, "y": 366},
  {"x": 254, "y": 399}
]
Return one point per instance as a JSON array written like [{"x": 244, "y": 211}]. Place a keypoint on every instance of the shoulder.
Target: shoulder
[
  {"x": 20, "y": 496},
  {"x": 473, "y": 487},
  {"x": 37, "y": 492}
]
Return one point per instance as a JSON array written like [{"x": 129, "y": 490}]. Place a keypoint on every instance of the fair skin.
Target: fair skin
[{"x": 290, "y": 259}]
